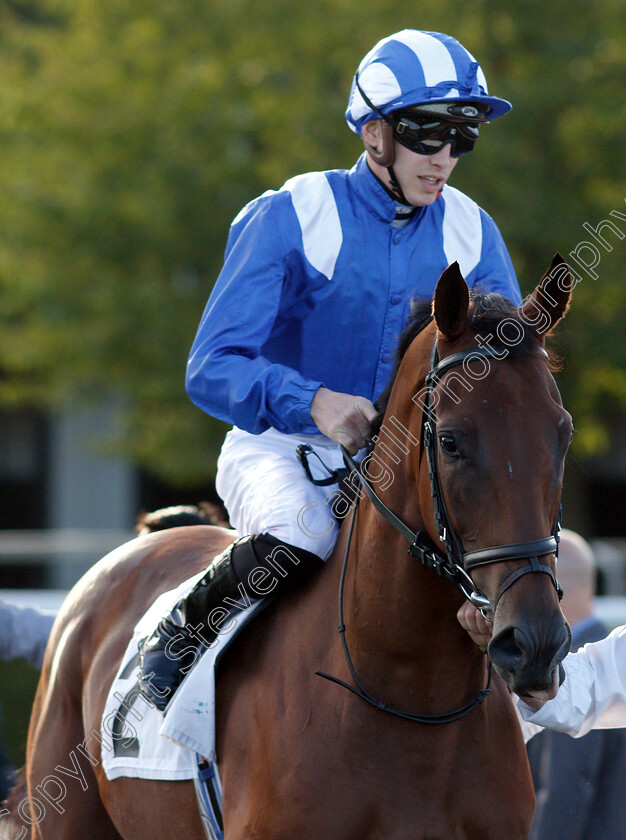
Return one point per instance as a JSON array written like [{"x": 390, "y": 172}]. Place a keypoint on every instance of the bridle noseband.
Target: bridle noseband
[{"x": 457, "y": 563}]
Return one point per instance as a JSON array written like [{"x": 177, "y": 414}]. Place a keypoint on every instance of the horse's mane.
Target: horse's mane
[{"x": 486, "y": 311}]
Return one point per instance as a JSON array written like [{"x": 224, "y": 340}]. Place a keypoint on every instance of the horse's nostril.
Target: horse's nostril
[{"x": 506, "y": 648}]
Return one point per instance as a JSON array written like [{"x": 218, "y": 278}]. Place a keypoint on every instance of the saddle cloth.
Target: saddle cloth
[{"x": 137, "y": 740}]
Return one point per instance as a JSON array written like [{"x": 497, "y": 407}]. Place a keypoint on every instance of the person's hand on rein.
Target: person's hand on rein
[
  {"x": 344, "y": 418},
  {"x": 479, "y": 631},
  {"x": 476, "y": 625}
]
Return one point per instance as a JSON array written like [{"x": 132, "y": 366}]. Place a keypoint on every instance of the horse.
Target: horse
[{"x": 299, "y": 754}]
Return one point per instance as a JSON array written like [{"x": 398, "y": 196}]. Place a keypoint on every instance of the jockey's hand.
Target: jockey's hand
[
  {"x": 478, "y": 628},
  {"x": 343, "y": 418}
]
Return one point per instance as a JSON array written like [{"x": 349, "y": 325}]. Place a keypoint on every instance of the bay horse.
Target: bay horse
[{"x": 299, "y": 755}]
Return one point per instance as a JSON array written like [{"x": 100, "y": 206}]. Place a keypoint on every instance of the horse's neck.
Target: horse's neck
[{"x": 400, "y": 616}]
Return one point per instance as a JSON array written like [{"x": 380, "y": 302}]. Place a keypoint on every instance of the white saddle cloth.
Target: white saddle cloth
[{"x": 139, "y": 741}]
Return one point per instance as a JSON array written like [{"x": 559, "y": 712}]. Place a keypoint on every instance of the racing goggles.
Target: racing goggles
[{"x": 427, "y": 135}]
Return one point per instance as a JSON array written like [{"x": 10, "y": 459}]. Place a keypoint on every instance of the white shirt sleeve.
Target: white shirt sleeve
[
  {"x": 24, "y": 632},
  {"x": 593, "y": 695}
]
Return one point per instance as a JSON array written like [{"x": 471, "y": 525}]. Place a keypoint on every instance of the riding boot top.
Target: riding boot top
[{"x": 253, "y": 567}]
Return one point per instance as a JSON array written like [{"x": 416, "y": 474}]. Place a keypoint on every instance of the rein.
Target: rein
[
  {"x": 457, "y": 563},
  {"x": 359, "y": 689}
]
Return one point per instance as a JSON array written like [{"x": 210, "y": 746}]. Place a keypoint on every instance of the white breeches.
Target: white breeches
[{"x": 265, "y": 489}]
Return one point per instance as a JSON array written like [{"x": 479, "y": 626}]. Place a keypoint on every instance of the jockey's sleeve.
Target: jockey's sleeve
[
  {"x": 228, "y": 375},
  {"x": 494, "y": 272},
  {"x": 311, "y": 294},
  {"x": 593, "y": 695}
]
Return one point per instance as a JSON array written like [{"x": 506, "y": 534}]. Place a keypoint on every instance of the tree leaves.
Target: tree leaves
[{"x": 132, "y": 134}]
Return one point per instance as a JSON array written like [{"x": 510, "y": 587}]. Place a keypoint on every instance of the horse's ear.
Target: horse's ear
[
  {"x": 451, "y": 303},
  {"x": 545, "y": 307}
]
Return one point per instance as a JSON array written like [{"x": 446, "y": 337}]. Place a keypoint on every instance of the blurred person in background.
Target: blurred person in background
[
  {"x": 580, "y": 784},
  {"x": 24, "y": 633}
]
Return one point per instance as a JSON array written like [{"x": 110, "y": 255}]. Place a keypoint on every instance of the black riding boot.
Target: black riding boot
[{"x": 251, "y": 568}]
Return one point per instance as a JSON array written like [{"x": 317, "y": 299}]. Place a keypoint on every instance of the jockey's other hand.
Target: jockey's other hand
[
  {"x": 472, "y": 620},
  {"x": 343, "y": 418}
]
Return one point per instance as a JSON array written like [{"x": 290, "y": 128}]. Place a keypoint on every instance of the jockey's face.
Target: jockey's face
[{"x": 421, "y": 177}]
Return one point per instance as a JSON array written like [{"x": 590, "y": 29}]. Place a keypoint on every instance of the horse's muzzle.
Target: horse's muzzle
[{"x": 528, "y": 661}]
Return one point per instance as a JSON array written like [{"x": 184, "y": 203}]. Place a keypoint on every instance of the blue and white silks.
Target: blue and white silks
[
  {"x": 316, "y": 288},
  {"x": 413, "y": 67}
]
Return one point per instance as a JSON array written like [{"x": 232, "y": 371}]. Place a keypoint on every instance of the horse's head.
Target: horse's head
[{"x": 500, "y": 435}]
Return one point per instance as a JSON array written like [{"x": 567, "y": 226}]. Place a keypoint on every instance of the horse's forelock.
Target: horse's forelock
[{"x": 487, "y": 313}]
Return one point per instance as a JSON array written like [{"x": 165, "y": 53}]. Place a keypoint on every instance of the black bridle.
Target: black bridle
[
  {"x": 461, "y": 562},
  {"x": 457, "y": 563}
]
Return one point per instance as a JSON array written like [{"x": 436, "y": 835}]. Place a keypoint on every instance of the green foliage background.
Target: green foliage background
[
  {"x": 18, "y": 684},
  {"x": 131, "y": 133}
]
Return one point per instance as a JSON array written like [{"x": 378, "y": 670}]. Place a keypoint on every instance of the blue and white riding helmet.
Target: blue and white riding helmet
[{"x": 413, "y": 68}]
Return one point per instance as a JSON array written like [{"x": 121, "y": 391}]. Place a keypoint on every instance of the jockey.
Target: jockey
[{"x": 298, "y": 336}]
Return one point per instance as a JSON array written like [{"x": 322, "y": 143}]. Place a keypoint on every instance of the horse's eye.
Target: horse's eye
[{"x": 448, "y": 443}]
